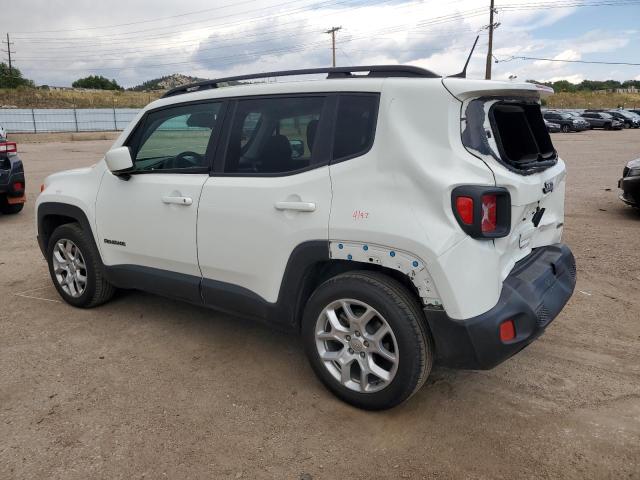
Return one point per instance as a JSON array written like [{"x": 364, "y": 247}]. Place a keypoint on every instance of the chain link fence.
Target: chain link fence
[{"x": 37, "y": 120}]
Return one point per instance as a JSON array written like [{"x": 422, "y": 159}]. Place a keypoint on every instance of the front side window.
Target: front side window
[
  {"x": 273, "y": 135},
  {"x": 176, "y": 138},
  {"x": 355, "y": 125}
]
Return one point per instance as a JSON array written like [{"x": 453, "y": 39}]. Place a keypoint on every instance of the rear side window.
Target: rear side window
[
  {"x": 355, "y": 125},
  {"x": 273, "y": 135}
]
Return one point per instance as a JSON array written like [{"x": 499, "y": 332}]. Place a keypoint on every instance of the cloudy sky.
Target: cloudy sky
[{"x": 56, "y": 42}]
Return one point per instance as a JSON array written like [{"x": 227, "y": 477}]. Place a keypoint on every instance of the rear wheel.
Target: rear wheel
[
  {"x": 366, "y": 339},
  {"x": 8, "y": 208},
  {"x": 75, "y": 268}
]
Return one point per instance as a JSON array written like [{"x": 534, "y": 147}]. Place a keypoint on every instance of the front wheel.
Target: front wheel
[
  {"x": 75, "y": 267},
  {"x": 366, "y": 338},
  {"x": 565, "y": 128}
]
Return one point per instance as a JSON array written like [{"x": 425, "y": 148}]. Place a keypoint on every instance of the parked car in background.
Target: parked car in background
[
  {"x": 3, "y": 134},
  {"x": 567, "y": 122},
  {"x": 552, "y": 127},
  {"x": 12, "y": 185},
  {"x": 635, "y": 110},
  {"x": 628, "y": 119},
  {"x": 602, "y": 120},
  {"x": 630, "y": 183}
]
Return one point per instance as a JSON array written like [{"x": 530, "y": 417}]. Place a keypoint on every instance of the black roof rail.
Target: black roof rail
[{"x": 332, "y": 72}]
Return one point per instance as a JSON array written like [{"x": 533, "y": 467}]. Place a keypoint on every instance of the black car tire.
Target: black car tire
[
  {"x": 565, "y": 128},
  {"x": 7, "y": 208},
  {"x": 97, "y": 290},
  {"x": 627, "y": 125},
  {"x": 607, "y": 126},
  {"x": 404, "y": 316}
]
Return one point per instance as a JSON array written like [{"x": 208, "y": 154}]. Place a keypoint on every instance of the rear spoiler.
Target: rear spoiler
[{"x": 463, "y": 89}]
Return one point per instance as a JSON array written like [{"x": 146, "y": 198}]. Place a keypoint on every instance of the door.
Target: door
[
  {"x": 147, "y": 223},
  {"x": 272, "y": 192}
]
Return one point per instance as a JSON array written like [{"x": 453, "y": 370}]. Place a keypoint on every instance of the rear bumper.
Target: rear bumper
[
  {"x": 532, "y": 295},
  {"x": 8, "y": 181}
]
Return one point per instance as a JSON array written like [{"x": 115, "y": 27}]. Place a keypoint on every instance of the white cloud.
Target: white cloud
[{"x": 240, "y": 37}]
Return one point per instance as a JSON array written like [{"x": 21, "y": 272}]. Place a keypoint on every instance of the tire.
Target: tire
[
  {"x": 97, "y": 290},
  {"x": 607, "y": 126},
  {"x": 626, "y": 125},
  {"x": 565, "y": 128},
  {"x": 7, "y": 208},
  {"x": 386, "y": 301}
]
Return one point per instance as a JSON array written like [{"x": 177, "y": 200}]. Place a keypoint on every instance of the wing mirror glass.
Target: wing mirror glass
[{"x": 119, "y": 160}]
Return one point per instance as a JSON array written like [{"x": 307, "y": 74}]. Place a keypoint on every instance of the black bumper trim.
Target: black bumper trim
[{"x": 532, "y": 295}]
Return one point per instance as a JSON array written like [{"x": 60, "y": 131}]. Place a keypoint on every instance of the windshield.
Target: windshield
[{"x": 624, "y": 114}]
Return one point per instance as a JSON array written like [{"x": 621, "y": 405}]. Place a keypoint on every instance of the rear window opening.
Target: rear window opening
[{"x": 521, "y": 136}]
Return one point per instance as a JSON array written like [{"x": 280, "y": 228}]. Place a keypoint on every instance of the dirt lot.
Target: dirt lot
[{"x": 145, "y": 387}]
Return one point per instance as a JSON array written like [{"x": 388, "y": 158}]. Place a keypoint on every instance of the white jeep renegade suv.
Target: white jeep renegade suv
[{"x": 394, "y": 218}]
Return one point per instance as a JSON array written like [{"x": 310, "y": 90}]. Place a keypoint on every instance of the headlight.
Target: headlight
[
  {"x": 634, "y": 168},
  {"x": 575, "y": 122}
]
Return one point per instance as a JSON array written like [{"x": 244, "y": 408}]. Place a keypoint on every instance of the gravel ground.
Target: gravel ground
[{"x": 146, "y": 387}]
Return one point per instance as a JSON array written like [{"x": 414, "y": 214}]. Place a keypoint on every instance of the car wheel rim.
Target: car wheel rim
[
  {"x": 69, "y": 268},
  {"x": 357, "y": 345}
]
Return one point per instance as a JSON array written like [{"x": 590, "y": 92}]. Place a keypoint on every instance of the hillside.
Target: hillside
[
  {"x": 37, "y": 98},
  {"x": 166, "y": 82},
  {"x": 593, "y": 100}
]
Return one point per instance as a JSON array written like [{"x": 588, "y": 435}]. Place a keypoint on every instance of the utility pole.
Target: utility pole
[
  {"x": 9, "y": 52},
  {"x": 487, "y": 74},
  {"x": 333, "y": 31}
]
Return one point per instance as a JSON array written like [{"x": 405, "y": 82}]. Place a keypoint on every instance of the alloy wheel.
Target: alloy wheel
[
  {"x": 69, "y": 268},
  {"x": 357, "y": 345}
]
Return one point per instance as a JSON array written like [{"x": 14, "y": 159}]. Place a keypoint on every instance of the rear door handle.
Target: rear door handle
[
  {"x": 296, "y": 206},
  {"x": 177, "y": 200}
]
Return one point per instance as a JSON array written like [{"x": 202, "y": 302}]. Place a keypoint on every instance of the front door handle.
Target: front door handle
[
  {"x": 186, "y": 201},
  {"x": 296, "y": 206}
]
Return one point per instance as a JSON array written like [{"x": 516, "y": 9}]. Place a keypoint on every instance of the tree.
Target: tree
[
  {"x": 12, "y": 78},
  {"x": 97, "y": 82}
]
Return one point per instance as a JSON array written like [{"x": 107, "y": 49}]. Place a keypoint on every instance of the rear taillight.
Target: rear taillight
[
  {"x": 8, "y": 147},
  {"x": 18, "y": 186},
  {"x": 482, "y": 212},
  {"x": 464, "y": 207}
]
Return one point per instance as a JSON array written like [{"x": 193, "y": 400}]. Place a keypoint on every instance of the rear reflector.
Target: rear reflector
[
  {"x": 489, "y": 213},
  {"x": 8, "y": 147},
  {"x": 507, "y": 331},
  {"x": 464, "y": 206}
]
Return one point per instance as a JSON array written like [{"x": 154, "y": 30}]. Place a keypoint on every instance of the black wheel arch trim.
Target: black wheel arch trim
[{"x": 58, "y": 209}]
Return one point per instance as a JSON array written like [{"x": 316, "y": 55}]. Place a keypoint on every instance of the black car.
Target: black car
[
  {"x": 552, "y": 127},
  {"x": 12, "y": 184},
  {"x": 568, "y": 123},
  {"x": 630, "y": 183},
  {"x": 628, "y": 119},
  {"x": 602, "y": 120}
]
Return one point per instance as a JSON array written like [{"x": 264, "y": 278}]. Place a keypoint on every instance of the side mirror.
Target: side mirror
[
  {"x": 119, "y": 160},
  {"x": 297, "y": 148}
]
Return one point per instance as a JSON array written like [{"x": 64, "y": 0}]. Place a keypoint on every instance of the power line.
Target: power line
[
  {"x": 225, "y": 45},
  {"x": 595, "y": 62}
]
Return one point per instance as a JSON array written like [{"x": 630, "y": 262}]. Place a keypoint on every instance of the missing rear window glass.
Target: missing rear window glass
[{"x": 511, "y": 131}]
